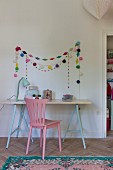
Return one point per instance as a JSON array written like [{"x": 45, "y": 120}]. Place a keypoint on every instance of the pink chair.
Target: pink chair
[{"x": 36, "y": 111}]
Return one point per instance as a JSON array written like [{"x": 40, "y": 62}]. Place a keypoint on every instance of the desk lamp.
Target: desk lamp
[{"x": 24, "y": 82}]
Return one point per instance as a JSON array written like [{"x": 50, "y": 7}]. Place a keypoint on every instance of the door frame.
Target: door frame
[{"x": 104, "y": 80}]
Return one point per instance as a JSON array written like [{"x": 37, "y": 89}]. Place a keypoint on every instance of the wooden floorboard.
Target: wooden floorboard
[{"x": 70, "y": 147}]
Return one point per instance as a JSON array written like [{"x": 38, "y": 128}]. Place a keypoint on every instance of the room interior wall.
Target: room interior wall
[{"x": 46, "y": 29}]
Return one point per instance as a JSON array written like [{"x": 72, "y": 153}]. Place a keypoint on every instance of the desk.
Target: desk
[{"x": 76, "y": 104}]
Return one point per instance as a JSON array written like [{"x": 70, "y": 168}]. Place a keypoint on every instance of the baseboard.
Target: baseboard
[{"x": 55, "y": 134}]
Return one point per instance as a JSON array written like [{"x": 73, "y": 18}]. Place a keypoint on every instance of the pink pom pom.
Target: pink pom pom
[
  {"x": 15, "y": 75},
  {"x": 80, "y": 58},
  {"x": 27, "y": 60},
  {"x": 30, "y": 55}
]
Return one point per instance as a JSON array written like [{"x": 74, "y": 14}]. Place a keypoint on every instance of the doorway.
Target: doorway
[
  {"x": 109, "y": 83},
  {"x": 107, "y": 75}
]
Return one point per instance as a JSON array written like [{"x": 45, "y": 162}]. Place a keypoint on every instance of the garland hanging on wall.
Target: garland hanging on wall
[{"x": 40, "y": 63}]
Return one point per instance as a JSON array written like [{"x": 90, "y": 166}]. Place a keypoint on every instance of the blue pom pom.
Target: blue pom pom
[
  {"x": 77, "y": 43},
  {"x": 22, "y": 54},
  {"x": 57, "y": 65}
]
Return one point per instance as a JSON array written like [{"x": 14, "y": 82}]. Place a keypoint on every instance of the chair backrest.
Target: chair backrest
[{"x": 36, "y": 111}]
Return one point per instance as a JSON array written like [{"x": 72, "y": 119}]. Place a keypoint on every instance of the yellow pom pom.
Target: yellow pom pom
[
  {"x": 76, "y": 61},
  {"x": 49, "y": 67},
  {"x": 16, "y": 64}
]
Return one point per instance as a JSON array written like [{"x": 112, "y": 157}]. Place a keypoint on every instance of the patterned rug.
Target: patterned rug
[{"x": 58, "y": 163}]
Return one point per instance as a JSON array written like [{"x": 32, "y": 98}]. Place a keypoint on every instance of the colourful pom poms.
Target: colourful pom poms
[
  {"x": 27, "y": 60},
  {"x": 22, "y": 55},
  {"x": 15, "y": 75},
  {"x": 77, "y": 43},
  {"x": 17, "y": 48},
  {"x": 80, "y": 58},
  {"x": 34, "y": 64},
  {"x": 50, "y": 67},
  {"x": 78, "y": 66},
  {"x": 78, "y": 81},
  {"x": 64, "y": 61},
  {"x": 65, "y": 53},
  {"x": 57, "y": 65}
]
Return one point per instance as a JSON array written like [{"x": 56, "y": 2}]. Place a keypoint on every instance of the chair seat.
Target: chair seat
[
  {"x": 47, "y": 123},
  {"x": 50, "y": 122}
]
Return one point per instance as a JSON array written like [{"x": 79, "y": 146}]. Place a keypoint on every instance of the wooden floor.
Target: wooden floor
[{"x": 70, "y": 147}]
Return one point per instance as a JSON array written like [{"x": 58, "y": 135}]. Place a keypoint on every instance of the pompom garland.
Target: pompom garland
[{"x": 36, "y": 61}]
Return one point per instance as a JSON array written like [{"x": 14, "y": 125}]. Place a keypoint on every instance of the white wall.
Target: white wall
[{"x": 46, "y": 29}]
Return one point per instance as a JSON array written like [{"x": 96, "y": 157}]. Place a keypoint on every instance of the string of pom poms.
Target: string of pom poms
[{"x": 40, "y": 63}]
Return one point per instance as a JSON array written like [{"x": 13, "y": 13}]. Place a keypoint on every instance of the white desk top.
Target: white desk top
[{"x": 56, "y": 101}]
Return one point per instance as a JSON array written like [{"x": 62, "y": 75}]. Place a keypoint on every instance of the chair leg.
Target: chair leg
[
  {"x": 41, "y": 137},
  {"x": 59, "y": 137},
  {"x": 28, "y": 142},
  {"x": 44, "y": 142}
]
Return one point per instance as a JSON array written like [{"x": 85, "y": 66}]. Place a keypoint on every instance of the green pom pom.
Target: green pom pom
[
  {"x": 77, "y": 43},
  {"x": 78, "y": 53},
  {"x": 16, "y": 68},
  {"x": 78, "y": 66}
]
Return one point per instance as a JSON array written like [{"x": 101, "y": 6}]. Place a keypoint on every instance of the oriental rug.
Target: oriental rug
[{"x": 58, "y": 163}]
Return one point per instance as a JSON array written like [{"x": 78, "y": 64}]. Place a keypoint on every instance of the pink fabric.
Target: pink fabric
[
  {"x": 90, "y": 167},
  {"x": 80, "y": 167},
  {"x": 44, "y": 167}
]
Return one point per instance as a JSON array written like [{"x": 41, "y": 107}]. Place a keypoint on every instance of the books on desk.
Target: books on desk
[{"x": 67, "y": 98}]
